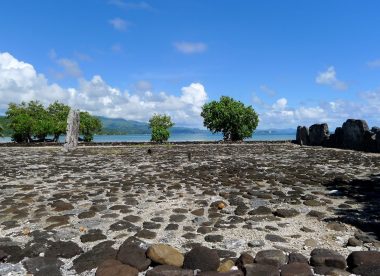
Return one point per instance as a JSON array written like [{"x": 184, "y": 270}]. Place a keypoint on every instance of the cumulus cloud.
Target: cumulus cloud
[
  {"x": 281, "y": 115},
  {"x": 19, "y": 81},
  {"x": 119, "y": 24},
  {"x": 329, "y": 78},
  {"x": 190, "y": 47}
]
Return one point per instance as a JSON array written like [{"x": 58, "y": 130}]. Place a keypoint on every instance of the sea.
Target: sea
[{"x": 178, "y": 137}]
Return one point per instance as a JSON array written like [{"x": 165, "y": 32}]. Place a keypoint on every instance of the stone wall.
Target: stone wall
[{"x": 354, "y": 134}]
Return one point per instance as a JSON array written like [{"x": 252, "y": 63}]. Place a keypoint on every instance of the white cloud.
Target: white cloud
[
  {"x": 374, "y": 63},
  {"x": 19, "y": 81},
  {"x": 70, "y": 67},
  {"x": 119, "y": 24},
  {"x": 131, "y": 5},
  {"x": 190, "y": 47},
  {"x": 329, "y": 78},
  {"x": 280, "y": 104},
  {"x": 143, "y": 86},
  {"x": 270, "y": 92}
]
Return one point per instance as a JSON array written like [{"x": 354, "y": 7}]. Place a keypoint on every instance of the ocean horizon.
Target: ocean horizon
[{"x": 178, "y": 137}]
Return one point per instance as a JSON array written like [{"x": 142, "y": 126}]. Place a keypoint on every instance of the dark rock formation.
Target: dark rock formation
[
  {"x": 202, "y": 258},
  {"x": 353, "y": 134},
  {"x": 302, "y": 136},
  {"x": 318, "y": 134}
]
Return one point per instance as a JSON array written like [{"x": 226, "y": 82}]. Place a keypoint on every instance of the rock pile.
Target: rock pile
[
  {"x": 164, "y": 260},
  {"x": 354, "y": 134}
]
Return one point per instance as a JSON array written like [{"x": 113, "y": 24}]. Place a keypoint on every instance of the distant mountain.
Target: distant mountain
[{"x": 122, "y": 126}]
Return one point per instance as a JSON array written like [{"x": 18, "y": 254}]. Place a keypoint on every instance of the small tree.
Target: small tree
[
  {"x": 235, "y": 120},
  {"x": 160, "y": 125},
  {"x": 89, "y": 125}
]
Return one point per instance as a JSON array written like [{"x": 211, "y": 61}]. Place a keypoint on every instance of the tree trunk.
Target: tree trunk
[{"x": 72, "y": 132}]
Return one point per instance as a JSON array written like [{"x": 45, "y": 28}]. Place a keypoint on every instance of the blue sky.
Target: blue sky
[{"x": 295, "y": 62}]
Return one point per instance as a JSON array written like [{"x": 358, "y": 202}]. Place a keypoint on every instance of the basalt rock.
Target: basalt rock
[
  {"x": 318, "y": 134},
  {"x": 353, "y": 134},
  {"x": 302, "y": 136}
]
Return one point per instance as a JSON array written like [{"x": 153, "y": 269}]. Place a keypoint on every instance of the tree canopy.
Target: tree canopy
[
  {"x": 88, "y": 126},
  {"x": 33, "y": 122},
  {"x": 235, "y": 120},
  {"x": 160, "y": 125}
]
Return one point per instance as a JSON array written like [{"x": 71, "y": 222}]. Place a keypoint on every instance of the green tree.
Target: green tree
[
  {"x": 1, "y": 131},
  {"x": 20, "y": 122},
  {"x": 160, "y": 125},
  {"x": 58, "y": 113},
  {"x": 41, "y": 122},
  {"x": 235, "y": 120},
  {"x": 89, "y": 125}
]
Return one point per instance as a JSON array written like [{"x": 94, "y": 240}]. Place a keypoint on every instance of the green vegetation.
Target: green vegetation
[
  {"x": 1, "y": 131},
  {"x": 88, "y": 126},
  {"x": 160, "y": 125},
  {"x": 232, "y": 118},
  {"x": 32, "y": 122}
]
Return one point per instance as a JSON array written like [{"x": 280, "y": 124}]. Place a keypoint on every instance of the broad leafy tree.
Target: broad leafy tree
[
  {"x": 235, "y": 120},
  {"x": 89, "y": 125},
  {"x": 58, "y": 113},
  {"x": 160, "y": 125},
  {"x": 31, "y": 122},
  {"x": 20, "y": 122}
]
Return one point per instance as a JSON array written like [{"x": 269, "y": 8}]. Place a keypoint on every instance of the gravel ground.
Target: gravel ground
[{"x": 171, "y": 195}]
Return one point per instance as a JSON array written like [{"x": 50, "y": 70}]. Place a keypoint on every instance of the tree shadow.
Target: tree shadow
[{"x": 366, "y": 193}]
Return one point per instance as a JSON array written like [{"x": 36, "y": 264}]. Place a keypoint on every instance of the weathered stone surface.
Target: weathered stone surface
[
  {"x": 260, "y": 270},
  {"x": 72, "y": 131},
  {"x": 353, "y": 133},
  {"x": 228, "y": 273},
  {"x": 42, "y": 266},
  {"x": 327, "y": 257},
  {"x": 367, "y": 270},
  {"x": 94, "y": 257},
  {"x": 115, "y": 268},
  {"x": 302, "y": 135},
  {"x": 318, "y": 133},
  {"x": 286, "y": 213},
  {"x": 297, "y": 258},
  {"x": 133, "y": 255},
  {"x": 165, "y": 255},
  {"x": 93, "y": 235},
  {"x": 296, "y": 269},
  {"x": 244, "y": 259},
  {"x": 226, "y": 266},
  {"x": 274, "y": 238},
  {"x": 359, "y": 258},
  {"x": 271, "y": 257},
  {"x": 61, "y": 249},
  {"x": 168, "y": 270},
  {"x": 214, "y": 238},
  {"x": 202, "y": 258}
]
